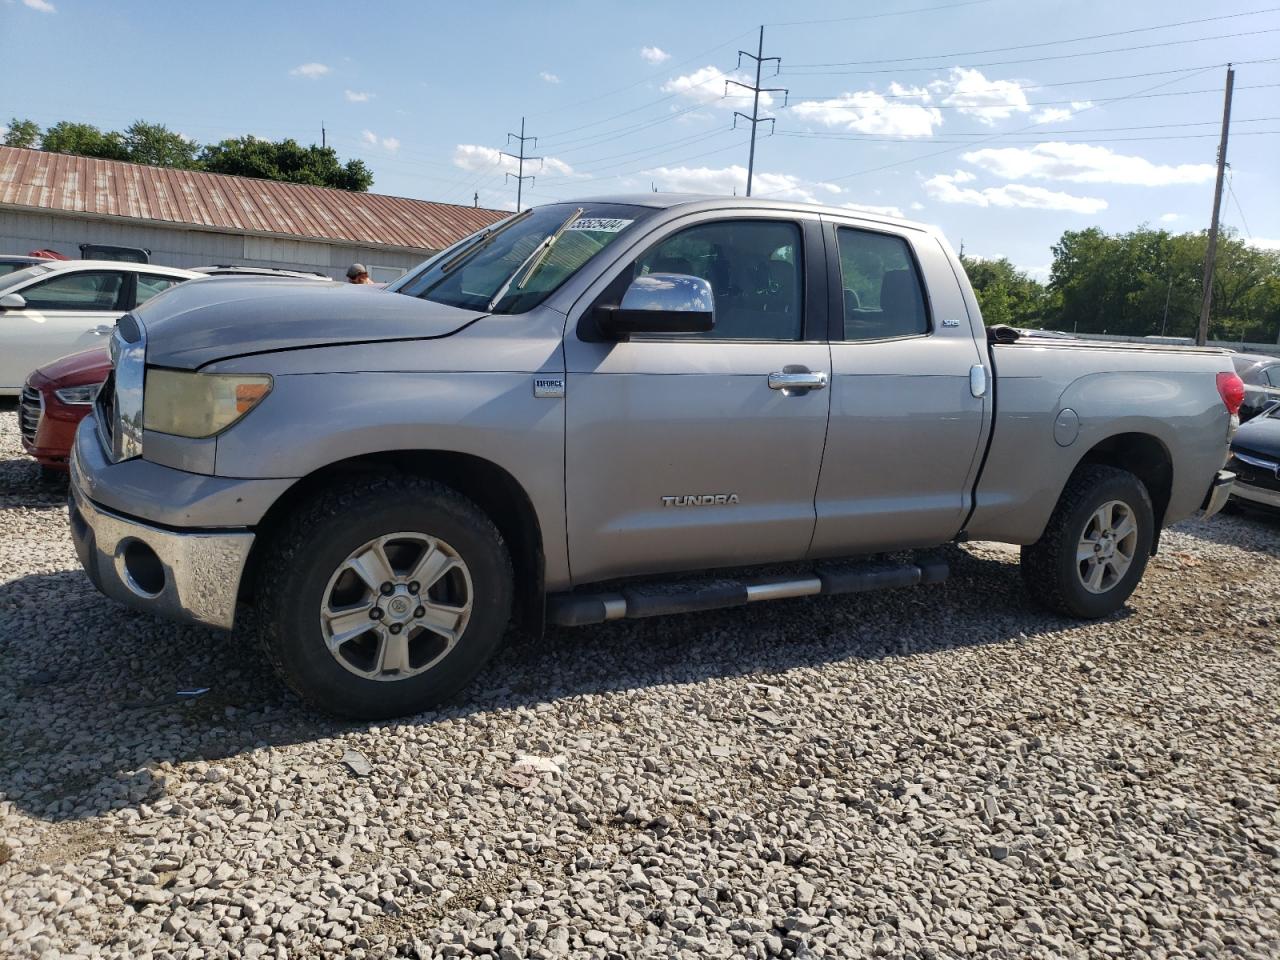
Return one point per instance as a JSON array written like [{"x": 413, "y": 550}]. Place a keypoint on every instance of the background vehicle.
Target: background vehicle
[
  {"x": 10, "y": 263},
  {"x": 108, "y": 251},
  {"x": 57, "y": 396},
  {"x": 1255, "y": 460},
  {"x": 242, "y": 270},
  {"x": 51, "y": 309},
  {"x": 570, "y": 412},
  {"x": 1261, "y": 376},
  {"x": 54, "y": 400}
]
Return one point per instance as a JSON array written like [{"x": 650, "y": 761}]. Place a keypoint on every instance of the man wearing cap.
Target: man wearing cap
[{"x": 356, "y": 273}]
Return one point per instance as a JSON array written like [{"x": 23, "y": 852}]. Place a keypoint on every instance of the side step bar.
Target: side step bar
[{"x": 657, "y": 599}]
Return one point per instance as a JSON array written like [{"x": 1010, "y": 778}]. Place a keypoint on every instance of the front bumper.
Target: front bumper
[
  {"x": 1219, "y": 493},
  {"x": 1259, "y": 495},
  {"x": 187, "y": 575}
]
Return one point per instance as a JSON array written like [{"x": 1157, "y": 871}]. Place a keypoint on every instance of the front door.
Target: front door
[
  {"x": 69, "y": 311},
  {"x": 906, "y": 428},
  {"x": 681, "y": 453}
]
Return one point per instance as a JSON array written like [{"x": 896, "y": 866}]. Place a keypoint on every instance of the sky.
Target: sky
[{"x": 1005, "y": 122}]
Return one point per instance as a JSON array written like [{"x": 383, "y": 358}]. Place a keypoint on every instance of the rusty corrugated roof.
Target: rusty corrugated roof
[{"x": 54, "y": 181}]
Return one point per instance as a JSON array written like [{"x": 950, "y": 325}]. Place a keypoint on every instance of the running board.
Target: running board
[{"x": 659, "y": 599}]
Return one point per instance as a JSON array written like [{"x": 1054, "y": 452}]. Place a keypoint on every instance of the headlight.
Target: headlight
[
  {"x": 78, "y": 395},
  {"x": 199, "y": 404}
]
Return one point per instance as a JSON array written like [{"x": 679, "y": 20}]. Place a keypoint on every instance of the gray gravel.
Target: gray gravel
[{"x": 934, "y": 773}]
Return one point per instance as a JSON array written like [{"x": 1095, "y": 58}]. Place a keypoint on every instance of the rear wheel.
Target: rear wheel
[
  {"x": 384, "y": 596},
  {"x": 1095, "y": 547}
]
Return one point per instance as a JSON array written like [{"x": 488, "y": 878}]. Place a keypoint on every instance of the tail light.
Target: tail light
[{"x": 1231, "y": 389}]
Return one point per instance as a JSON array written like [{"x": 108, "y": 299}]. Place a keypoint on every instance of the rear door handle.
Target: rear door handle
[
  {"x": 789, "y": 381},
  {"x": 102, "y": 330}
]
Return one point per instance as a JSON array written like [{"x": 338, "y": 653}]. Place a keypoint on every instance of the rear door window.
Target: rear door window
[
  {"x": 883, "y": 295},
  {"x": 149, "y": 284},
  {"x": 83, "y": 290}
]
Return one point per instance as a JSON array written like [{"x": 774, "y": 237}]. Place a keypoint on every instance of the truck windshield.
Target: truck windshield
[{"x": 472, "y": 274}]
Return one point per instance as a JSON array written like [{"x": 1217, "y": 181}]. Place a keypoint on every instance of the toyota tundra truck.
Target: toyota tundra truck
[{"x": 616, "y": 408}]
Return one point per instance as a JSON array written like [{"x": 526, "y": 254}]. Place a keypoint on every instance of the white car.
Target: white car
[{"x": 51, "y": 309}]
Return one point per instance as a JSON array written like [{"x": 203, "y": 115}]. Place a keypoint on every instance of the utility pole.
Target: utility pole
[
  {"x": 475, "y": 200},
  {"x": 520, "y": 177},
  {"x": 322, "y": 139},
  {"x": 1202, "y": 334},
  {"x": 1164, "y": 324},
  {"x": 755, "y": 119}
]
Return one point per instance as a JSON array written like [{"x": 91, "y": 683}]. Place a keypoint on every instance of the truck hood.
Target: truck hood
[{"x": 198, "y": 322}]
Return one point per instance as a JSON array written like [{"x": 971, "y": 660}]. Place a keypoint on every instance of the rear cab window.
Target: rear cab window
[{"x": 883, "y": 296}]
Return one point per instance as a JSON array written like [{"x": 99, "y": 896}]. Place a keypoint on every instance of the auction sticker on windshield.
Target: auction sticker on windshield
[{"x": 601, "y": 224}]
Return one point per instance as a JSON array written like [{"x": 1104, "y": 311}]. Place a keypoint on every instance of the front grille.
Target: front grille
[
  {"x": 30, "y": 409},
  {"x": 103, "y": 408},
  {"x": 1255, "y": 475}
]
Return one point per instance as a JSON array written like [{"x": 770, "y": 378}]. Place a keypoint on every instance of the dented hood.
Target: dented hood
[{"x": 198, "y": 322}]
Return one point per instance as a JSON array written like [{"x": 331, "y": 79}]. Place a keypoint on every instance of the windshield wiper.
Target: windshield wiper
[
  {"x": 481, "y": 241},
  {"x": 529, "y": 266}
]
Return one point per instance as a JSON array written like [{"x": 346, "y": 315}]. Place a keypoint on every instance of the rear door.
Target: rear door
[
  {"x": 681, "y": 453},
  {"x": 906, "y": 428},
  {"x": 65, "y": 312}
]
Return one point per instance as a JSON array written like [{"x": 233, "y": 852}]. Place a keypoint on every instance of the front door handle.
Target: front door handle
[
  {"x": 793, "y": 382},
  {"x": 103, "y": 330}
]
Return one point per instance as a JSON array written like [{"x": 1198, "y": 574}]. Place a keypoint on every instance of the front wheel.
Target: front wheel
[
  {"x": 1095, "y": 547},
  {"x": 384, "y": 596}
]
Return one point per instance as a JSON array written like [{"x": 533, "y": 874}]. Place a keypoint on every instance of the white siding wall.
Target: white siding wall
[{"x": 21, "y": 232}]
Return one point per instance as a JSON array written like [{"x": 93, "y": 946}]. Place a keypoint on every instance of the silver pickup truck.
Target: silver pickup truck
[{"x": 612, "y": 408}]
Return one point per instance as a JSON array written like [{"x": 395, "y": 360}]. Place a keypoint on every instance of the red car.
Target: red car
[{"x": 54, "y": 400}]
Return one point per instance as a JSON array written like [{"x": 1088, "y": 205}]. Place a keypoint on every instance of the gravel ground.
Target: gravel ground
[{"x": 932, "y": 773}]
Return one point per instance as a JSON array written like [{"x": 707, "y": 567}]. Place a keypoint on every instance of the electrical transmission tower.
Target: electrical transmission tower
[
  {"x": 520, "y": 176},
  {"x": 755, "y": 119}
]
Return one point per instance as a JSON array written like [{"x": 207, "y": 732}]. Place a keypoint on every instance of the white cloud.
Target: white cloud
[
  {"x": 312, "y": 71},
  {"x": 355, "y": 96},
  {"x": 1170, "y": 217},
  {"x": 708, "y": 85},
  {"x": 470, "y": 156},
  {"x": 4, "y": 131},
  {"x": 1059, "y": 114},
  {"x": 974, "y": 95},
  {"x": 872, "y": 208},
  {"x": 654, "y": 54},
  {"x": 390, "y": 144},
  {"x": 948, "y": 190},
  {"x": 1084, "y": 163},
  {"x": 866, "y": 111},
  {"x": 917, "y": 205},
  {"x": 44, "y": 6},
  {"x": 549, "y": 77},
  {"x": 733, "y": 180},
  {"x": 1263, "y": 243}
]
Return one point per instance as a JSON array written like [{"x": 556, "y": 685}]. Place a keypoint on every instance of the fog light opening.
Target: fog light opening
[{"x": 143, "y": 571}]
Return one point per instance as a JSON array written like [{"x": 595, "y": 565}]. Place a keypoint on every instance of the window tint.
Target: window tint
[
  {"x": 149, "y": 285},
  {"x": 882, "y": 292},
  {"x": 755, "y": 271},
  {"x": 1272, "y": 374},
  {"x": 82, "y": 290}
]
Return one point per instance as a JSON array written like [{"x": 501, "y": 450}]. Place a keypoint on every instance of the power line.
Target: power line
[
  {"x": 1045, "y": 103},
  {"x": 1231, "y": 191},
  {"x": 879, "y": 16},
  {"x": 1143, "y": 126},
  {"x": 1146, "y": 91},
  {"x": 1043, "y": 43},
  {"x": 1044, "y": 59},
  {"x": 1174, "y": 136}
]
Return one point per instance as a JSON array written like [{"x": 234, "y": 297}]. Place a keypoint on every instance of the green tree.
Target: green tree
[
  {"x": 22, "y": 133},
  {"x": 83, "y": 139},
  {"x": 1006, "y": 294},
  {"x": 157, "y": 145},
  {"x": 285, "y": 160}
]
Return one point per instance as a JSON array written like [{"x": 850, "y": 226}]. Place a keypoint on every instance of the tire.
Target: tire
[
  {"x": 383, "y": 522},
  {"x": 1055, "y": 575}
]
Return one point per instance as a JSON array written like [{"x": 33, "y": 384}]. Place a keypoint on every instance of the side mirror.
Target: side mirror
[
  {"x": 12, "y": 301},
  {"x": 660, "y": 303}
]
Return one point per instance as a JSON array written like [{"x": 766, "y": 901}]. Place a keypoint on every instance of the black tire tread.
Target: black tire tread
[
  {"x": 330, "y": 502},
  {"x": 1039, "y": 560}
]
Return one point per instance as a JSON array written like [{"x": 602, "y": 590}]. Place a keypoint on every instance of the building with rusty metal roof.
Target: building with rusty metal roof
[{"x": 187, "y": 218}]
